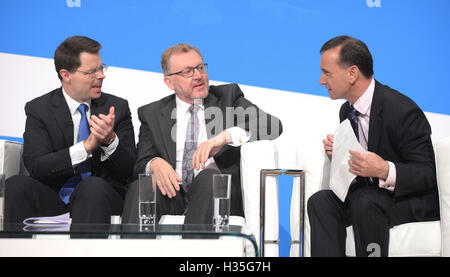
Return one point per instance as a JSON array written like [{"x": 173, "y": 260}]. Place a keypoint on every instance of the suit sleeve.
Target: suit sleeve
[
  {"x": 416, "y": 170},
  {"x": 42, "y": 162},
  {"x": 146, "y": 149},
  {"x": 121, "y": 162},
  {"x": 248, "y": 116}
]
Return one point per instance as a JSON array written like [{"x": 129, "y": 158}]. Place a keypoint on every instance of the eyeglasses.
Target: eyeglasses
[
  {"x": 92, "y": 74},
  {"x": 189, "y": 72}
]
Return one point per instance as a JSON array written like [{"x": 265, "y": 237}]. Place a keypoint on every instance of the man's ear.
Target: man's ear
[
  {"x": 65, "y": 75},
  {"x": 353, "y": 73},
  {"x": 168, "y": 82}
]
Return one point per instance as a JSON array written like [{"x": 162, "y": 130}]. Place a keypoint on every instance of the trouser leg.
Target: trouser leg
[
  {"x": 94, "y": 200},
  {"x": 328, "y": 224},
  {"x": 26, "y": 197}
]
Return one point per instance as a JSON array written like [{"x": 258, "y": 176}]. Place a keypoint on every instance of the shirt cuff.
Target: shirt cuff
[
  {"x": 107, "y": 151},
  {"x": 147, "y": 166},
  {"x": 238, "y": 136},
  {"x": 78, "y": 154},
  {"x": 389, "y": 183}
]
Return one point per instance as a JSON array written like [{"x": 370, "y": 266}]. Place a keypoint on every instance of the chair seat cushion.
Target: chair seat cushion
[{"x": 411, "y": 239}]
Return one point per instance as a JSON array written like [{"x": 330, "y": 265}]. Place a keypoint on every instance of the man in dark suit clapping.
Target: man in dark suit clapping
[{"x": 79, "y": 145}]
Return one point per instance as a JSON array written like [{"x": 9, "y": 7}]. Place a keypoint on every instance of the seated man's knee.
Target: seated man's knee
[
  {"x": 18, "y": 186},
  {"x": 132, "y": 189},
  {"x": 93, "y": 189},
  {"x": 318, "y": 200},
  {"x": 362, "y": 203},
  {"x": 204, "y": 179}
]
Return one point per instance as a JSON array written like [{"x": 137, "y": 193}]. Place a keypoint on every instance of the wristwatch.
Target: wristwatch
[{"x": 109, "y": 142}]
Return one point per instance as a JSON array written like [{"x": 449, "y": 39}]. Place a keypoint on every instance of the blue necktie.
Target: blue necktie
[
  {"x": 84, "y": 168},
  {"x": 353, "y": 117}
]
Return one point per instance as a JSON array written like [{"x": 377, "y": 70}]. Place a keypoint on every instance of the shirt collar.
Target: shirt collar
[
  {"x": 183, "y": 107},
  {"x": 363, "y": 104},
  {"x": 73, "y": 105}
]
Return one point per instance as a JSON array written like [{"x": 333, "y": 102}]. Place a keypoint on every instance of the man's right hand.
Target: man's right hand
[
  {"x": 166, "y": 177},
  {"x": 328, "y": 145},
  {"x": 91, "y": 143}
]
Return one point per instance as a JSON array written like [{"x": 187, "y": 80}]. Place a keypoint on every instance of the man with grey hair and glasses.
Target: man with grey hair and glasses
[{"x": 218, "y": 119}]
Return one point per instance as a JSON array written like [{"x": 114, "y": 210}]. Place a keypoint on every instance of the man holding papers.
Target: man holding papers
[{"x": 395, "y": 179}]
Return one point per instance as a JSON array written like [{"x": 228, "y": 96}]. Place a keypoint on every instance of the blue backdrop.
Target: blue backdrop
[{"x": 264, "y": 43}]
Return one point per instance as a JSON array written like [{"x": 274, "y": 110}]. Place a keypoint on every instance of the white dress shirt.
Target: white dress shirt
[
  {"x": 363, "y": 105},
  {"x": 77, "y": 151}
]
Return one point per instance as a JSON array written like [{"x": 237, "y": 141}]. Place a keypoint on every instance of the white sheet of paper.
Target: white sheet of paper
[
  {"x": 63, "y": 219},
  {"x": 340, "y": 176}
]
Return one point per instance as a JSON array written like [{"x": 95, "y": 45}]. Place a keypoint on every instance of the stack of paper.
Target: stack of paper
[
  {"x": 50, "y": 223},
  {"x": 340, "y": 176}
]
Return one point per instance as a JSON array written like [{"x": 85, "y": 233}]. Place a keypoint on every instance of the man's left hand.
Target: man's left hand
[
  {"x": 368, "y": 165},
  {"x": 209, "y": 148},
  {"x": 102, "y": 127}
]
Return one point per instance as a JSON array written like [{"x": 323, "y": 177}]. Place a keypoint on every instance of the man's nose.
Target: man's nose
[
  {"x": 322, "y": 80},
  {"x": 100, "y": 75},
  {"x": 197, "y": 75}
]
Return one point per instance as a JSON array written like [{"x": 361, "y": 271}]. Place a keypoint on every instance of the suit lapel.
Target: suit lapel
[
  {"x": 343, "y": 113},
  {"x": 376, "y": 120},
  {"x": 208, "y": 102},
  {"x": 168, "y": 129},
  {"x": 62, "y": 116},
  {"x": 98, "y": 106}
]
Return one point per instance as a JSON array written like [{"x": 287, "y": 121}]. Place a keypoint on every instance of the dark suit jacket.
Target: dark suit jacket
[
  {"x": 399, "y": 132},
  {"x": 157, "y": 123},
  {"x": 49, "y": 134}
]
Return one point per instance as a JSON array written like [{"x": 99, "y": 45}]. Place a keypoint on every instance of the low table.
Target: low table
[{"x": 126, "y": 240}]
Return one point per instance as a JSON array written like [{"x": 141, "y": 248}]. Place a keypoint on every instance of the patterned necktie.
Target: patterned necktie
[
  {"x": 190, "y": 145},
  {"x": 84, "y": 168},
  {"x": 353, "y": 117}
]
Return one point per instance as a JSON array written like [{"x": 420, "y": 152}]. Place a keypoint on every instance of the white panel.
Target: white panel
[{"x": 120, "y": 248}]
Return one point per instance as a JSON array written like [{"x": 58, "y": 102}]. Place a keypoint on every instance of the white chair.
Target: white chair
[
  {"x": 255, "y": 156},
  {"x": 442, "y": 151},
  {"x": 411, "y": 239},
  {"x": 11, "y": 163},
  {"x": 11, "y": 158},
  {"x": 310, "y": 159}
]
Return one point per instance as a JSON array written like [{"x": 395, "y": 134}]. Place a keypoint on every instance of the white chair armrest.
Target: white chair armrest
[
  {"x": 442, "y": 152},
  {"x": 255, "y": 156},
  {"x": 310, "y": 157},
  {"x": 10, "y": 158}
]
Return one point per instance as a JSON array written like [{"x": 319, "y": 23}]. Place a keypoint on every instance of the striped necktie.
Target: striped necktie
[{"x": 353, "y": 117}]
